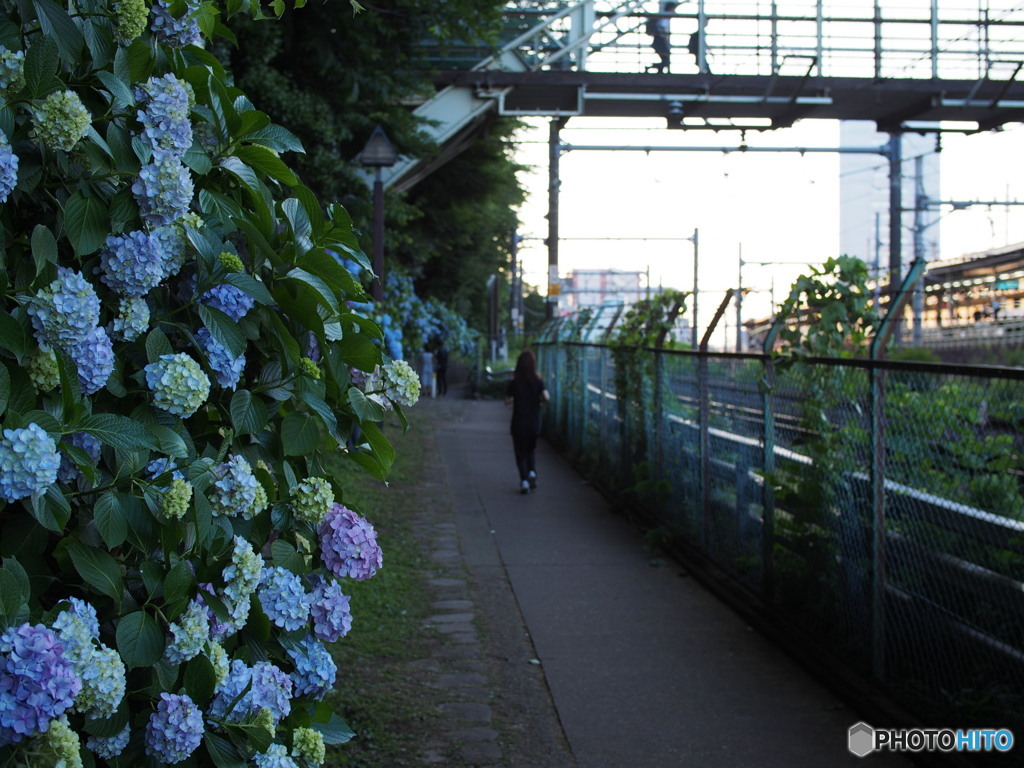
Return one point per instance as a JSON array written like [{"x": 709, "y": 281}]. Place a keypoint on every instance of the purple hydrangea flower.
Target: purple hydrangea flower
[
  {"x": 65, "y": 311},
  {"x": 348, "y": 544},
  {"x": 232, "y": 301},
  {"x": 8, "y": 168},
  {"x": 329, "y": 609},
  {"x": 133, "y": 264},
  {"x": 226, "y": 369},
  {"x": 95, "y": 358},
  {"x": 175, "y": 729},
  {"x": 283, "y": 599},
  {"x": 314, "y": 671},
  {"x": 163, "y": 190},
  {"x": 28, "y": 462},
  {"x": 37, "y": 684},
  {"x": 164, "y": 119},
  {"x": 267, "y": 687},
  {"x": 176, "y": 33}
]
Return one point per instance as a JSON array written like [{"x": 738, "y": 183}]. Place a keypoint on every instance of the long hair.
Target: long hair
[{"x": 526, "y": 366}]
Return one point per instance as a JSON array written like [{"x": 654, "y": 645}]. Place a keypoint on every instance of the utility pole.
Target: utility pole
[
  {"x": 695, "y": 239},
  {"x": 554, "y": 182},
  {"x": 739, "y": 303}
]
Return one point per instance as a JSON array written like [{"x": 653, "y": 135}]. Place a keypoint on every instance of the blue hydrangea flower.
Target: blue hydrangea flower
[
  {"x": 103, "y": 683},
  {"x": 226, "y": 369},
  {"x": 132, "y": 318},
  {"x": 232, "y": 301},
  {"x": 178, "y": 384},
  {"x": 77, "y": 627},
  {"x": 165, "y": 121},
  {"x": 348, "y": 544},
  {"x": 314, "y": 671},
  {"x": 8, "y": 168},
  {"x": 176, "y": 33},
  {"x": 28, "y": 462},
  {"x": 276, "y": 756},
  {"x": 172, "y": 238},
  {"x": 110, "y": 747},
  {"x": 37, "y": 684},
  {"x": 234, "y": 488},
  {"x": 12, "y": 69},
  {"x": 191, "y": 633},
  {"x": 283, "y": 599},
  {"x": 163, "y": 190},
  {"x": 95, "y": 358},
  {"x": 219, "y": 659},
  {"x": 329, "y": 609},
  {"x": 175, "y": 729},
  {"x": 242, "y": 578},
  {"x": 65, "y": 311},
  {"x": 133, "y": 264},
  {"x": 68, "y": 472},
  {"x": 267, "y": 687},
  {"x": 61, "y": 120}
]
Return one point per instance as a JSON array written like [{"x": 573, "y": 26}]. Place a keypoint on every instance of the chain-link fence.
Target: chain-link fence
[{"x": 876, "y": 507}]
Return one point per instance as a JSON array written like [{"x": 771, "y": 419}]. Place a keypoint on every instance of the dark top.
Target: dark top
[
  {"x": 525, "y": 405},
  {"x": 441, "y": 359}
]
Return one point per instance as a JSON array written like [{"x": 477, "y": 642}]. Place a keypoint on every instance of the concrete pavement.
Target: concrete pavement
[{"x": 644, "y": 667}]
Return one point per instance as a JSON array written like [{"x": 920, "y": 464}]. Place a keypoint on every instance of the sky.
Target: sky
[{"x": 778, "y": 208}]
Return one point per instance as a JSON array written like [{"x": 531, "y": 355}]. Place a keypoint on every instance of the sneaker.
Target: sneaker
[
  {"x": 532, "y": 479},
  {"x": 524, "y": 487}
]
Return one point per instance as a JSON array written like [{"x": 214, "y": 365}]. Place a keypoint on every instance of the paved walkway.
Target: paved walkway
[{"x": 631, "y": 665}]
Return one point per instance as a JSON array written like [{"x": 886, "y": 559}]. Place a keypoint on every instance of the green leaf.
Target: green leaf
[
  {"x": 318, "y": 285},
  {"x": 296, "y": 214},
  {"x": 157, "y": 345},
  {"x": 379, "y": 444},
  {"x": 5, "y": 388},
  {"x": 359, "y": 351},
  {"x": 10, "y": 595},
  {"x": 98, "y": 569},
  {"x": 86, "y": 222},
  {"x": 178, "y": 583},
  {"x": 264, "y": 160},
  {"x": 44, "y": 247},
  {"x": 140, "y": 641},
  {"x": 200, "y": 679},
  {"x": 248, "y": 413},
  {"x": 110, "y": 520},
  {"x": 243, "y": 173},
  {"x": 119, "y": 91},
  {"x": 12, "y": 335},
  {"x": 40, "y": 65},
  {"x": 251, "y": 286},
  {"x": 276, "y": 138},
  {"x": 196, "y": 159},
  {"x": 365, "y": 409},
  {"x": 24, "y": 586},
  {"x": 323, "y": 410},
  {"x": 118, "y": 432},
  {"x": 286, "y": 556},
  {"x": 55, "y": 23},
  {"x": 332, "y": 728},
  {"x": 168, "y": 442},
  {"x": 51, "y": 509},
  {"x": 222, "y": 752},
  {"x": 223, "y": 329},
  {"x": 300, "y": 434}
]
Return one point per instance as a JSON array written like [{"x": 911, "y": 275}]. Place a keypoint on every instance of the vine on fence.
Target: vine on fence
[{"x": 177, "y": 359}]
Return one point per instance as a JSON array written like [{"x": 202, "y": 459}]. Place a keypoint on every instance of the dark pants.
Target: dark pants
[
  {"x": 525, "y": 447},
  {"x": 442, "y": 381}
]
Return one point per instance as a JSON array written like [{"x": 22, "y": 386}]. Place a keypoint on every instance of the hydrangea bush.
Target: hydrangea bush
[{"x": 179, "y": 357}]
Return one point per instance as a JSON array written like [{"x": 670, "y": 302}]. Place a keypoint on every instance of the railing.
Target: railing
[{"x": 873, "y": 509}]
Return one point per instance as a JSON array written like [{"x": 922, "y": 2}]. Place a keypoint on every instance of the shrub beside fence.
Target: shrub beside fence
[{"x": 873, "y": 507}]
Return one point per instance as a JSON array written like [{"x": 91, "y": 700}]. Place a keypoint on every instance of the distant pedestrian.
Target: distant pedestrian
[
  {"x": 996, "y": 306},
  {"x": 658, "y": 29},
  {"x": 525, "y": 393},
  {"x": 441, "y": 369}
]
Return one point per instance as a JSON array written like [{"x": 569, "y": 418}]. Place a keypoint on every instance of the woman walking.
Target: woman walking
[{"x": 525, "y": 393}]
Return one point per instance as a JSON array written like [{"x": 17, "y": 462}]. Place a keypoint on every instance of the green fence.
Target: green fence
[{"x": 875, "y": 508}]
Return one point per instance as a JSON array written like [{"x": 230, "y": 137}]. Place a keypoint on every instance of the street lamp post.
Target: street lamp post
[
  {"x": 378, "y": 154},
  {"x": 695, "y": 239}
]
